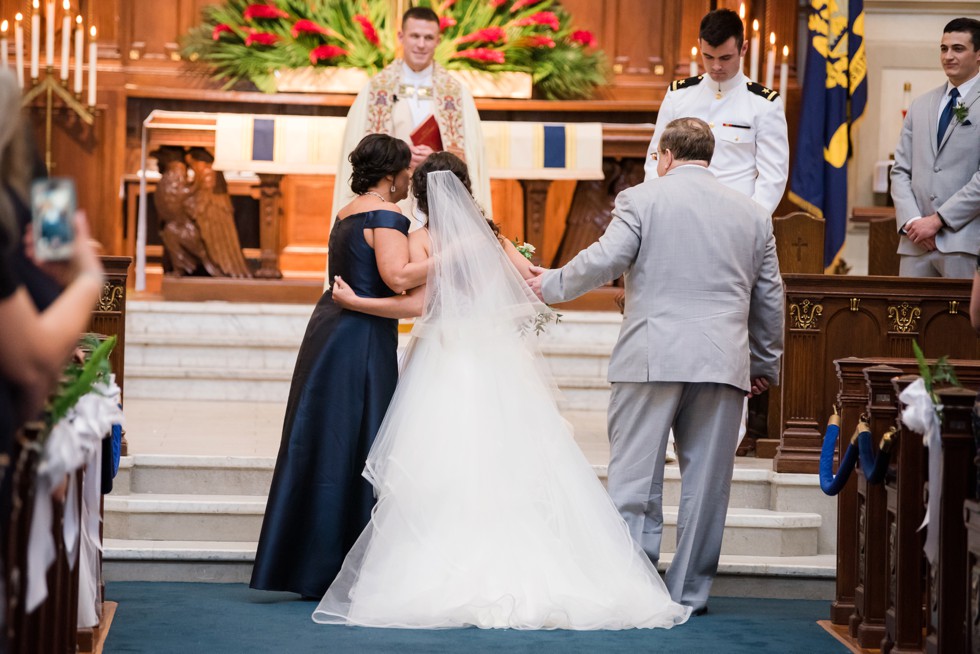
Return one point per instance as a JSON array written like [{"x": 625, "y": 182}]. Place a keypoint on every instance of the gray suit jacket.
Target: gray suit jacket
[
  {"x": 704, "y": 299},
  {"x": 926, "y": 179}
]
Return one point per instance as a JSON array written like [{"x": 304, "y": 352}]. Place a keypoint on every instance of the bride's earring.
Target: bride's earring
[{"x": 394, "y": 189}]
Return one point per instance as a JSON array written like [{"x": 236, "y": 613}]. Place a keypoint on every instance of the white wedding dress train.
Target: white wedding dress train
[{"x": 488, "y": 514}]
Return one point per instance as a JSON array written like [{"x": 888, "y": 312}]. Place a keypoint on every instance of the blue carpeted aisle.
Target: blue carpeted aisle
[{"x": 220, "y": 618}]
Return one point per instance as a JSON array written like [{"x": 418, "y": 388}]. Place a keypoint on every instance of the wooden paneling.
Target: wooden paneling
[{"x": 306, "y": 222}]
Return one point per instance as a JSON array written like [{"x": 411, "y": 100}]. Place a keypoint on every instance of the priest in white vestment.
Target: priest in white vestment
[{"x": 403, "y": 96}]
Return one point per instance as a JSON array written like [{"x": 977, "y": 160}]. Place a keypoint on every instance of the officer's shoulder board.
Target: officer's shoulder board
[
  {"x": 763, "y": 91},
  {"x": 686, "y": 82}
]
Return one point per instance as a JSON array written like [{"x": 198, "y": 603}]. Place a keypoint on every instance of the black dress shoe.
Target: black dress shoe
[{"x": 702, "y": 611}]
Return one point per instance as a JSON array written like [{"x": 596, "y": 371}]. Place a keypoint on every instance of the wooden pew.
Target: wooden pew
[
  {"x": 854, "y": 400},
  {"x": 904, "y": 613},
  {"x": 949, "y": 584},
  {"x": 867, "y": 622}
]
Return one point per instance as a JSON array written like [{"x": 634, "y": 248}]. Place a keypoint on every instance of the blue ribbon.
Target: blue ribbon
[{"x": 830, "y": 483}]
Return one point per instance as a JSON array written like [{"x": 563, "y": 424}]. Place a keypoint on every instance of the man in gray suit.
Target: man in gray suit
[
  {"x": 703, "y": 326},
  {"x": 936, "y": 177}
]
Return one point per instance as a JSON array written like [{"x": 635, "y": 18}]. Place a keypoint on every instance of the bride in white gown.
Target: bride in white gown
[{"x": 488, "y": 514}]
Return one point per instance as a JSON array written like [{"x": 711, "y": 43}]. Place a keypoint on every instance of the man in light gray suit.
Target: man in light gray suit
[
  {"x": 936, "y": 177},
  {"x": 703, "y": 326}
]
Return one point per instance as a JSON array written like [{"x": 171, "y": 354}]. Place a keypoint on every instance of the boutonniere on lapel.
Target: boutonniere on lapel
[{"x": 961, "y": 111}]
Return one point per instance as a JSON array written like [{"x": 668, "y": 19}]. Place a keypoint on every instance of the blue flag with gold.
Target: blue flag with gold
[{"x": 835, "y": 91}]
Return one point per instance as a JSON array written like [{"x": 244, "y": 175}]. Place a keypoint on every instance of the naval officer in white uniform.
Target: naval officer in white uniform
[{"x": 747, "y": 119}]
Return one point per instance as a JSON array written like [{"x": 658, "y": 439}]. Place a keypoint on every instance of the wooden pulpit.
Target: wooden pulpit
[{"x": 799, "y": 242}]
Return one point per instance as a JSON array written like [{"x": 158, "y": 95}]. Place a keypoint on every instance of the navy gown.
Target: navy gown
[{"x": 344, "y": 378}]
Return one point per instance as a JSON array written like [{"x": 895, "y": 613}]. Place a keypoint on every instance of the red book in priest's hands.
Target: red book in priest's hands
[{"x": 427, "y": 133}]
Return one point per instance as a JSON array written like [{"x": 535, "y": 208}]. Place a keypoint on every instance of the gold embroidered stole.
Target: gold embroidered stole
[{"x": 447, "y": 104}]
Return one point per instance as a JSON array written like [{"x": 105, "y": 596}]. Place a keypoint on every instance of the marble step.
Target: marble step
[
  {"x": 283, "y": 321},
  {"x": 801, "y": 577},
  {"x": 149, "y": 352},
  {"x": 587, "y": 393},
  {"x": 238, "y": 518}
]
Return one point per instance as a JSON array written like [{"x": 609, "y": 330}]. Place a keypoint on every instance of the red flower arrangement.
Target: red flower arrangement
[
  {"x": 546, "y": 18},
  {"x": 540, "y": 41},
  {"x": 267, "y": 12},
  {"x": 520, "y": 4},
  {"x": 261, "y": 38},
  {"x": 305, "y": 26},
  {"x": 445, "y": 22},
  {"x": 583, "y": 37},
  {"x": 219, "y": 29},
  {"x": 496, "y": 3},
  {"x": 481, "y": 54},
  {"x": 367, "y": 27},
  {"x": 486, "y": 35},
  {"x": 326, "y": 52}
]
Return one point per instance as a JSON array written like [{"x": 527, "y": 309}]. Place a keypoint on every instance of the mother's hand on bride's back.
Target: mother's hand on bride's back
[{"x": 343, "y": 294}]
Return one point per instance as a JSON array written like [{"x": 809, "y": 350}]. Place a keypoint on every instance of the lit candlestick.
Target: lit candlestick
[
  {"x": 49, "y": 34},
  {"x": 19, "y": 47},
  {"x": 694, "y": 62},
  {"x": 35, "y": 40},
  {"x": 754, "y": 52},
  {"x": 65, "y": 41},
  {"x": 771, "y": 60},
  {"x": 784, "y": 73},
  {"x": 93, "y": 57},
  {"x": 906, "y": 98},
  {"x": 3, "y": 44},
  {"x": 741, "y": 16},
  {"x": 79, "y": 45}
]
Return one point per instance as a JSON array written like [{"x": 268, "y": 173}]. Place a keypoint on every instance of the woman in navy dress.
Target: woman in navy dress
[{"x": 344, "y": 378}]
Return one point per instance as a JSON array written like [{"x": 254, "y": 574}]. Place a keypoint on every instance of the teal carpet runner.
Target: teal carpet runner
[{"x": 190, "y": 618}]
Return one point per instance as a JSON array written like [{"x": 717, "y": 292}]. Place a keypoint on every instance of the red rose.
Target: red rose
[
  {"x": 309, "y": 27},
  {"x": 540, "y": 41},
  {"x": 261, "y": 38},
  {"x": 520, "y": 4},
  {"x": 583, "y": 37},
  {"x": 446, "y": 21},
  {"x": 481, "y": 54},
  {"x": 267, "y": 12},
  {"x": 546, "y": 18},
  {"x": 370, "y": 33},
  {"x": 220, "y": 29},
  {"x": 326, "y": 52},
  {"x": 486, "y": 35}
]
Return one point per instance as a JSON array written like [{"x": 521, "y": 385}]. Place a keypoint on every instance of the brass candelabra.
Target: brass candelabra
[{"x": 50, "y": 86}]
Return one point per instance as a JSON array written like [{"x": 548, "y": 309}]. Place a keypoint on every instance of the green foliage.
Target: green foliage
[
  {"x": 78, "y": 379},
  {"x": 939, "y": 374},
  {"x": 561, "y": 64}
]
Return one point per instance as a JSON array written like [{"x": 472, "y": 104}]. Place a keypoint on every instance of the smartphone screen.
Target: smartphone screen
[{"x": 53, "y": 217}]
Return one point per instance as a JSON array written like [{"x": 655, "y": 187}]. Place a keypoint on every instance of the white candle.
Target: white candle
[
  {"x": 35, "y": 40},
  {"x": 19, "y": 47},
  {"x": 771, "y": 60},
  {"x": 754, "y": 53},
  {"x": 49, "y": 34},
  {"x": 79, "y": 43},
  {"x": 784, "y": 73},
  {"x": 65, "y": 41},
  {"x": 3, "y": 44},
  {"x": 93, "y": 57},
  {"x": 741, "y": 15},
  {"x": 694, "y": 62}
]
